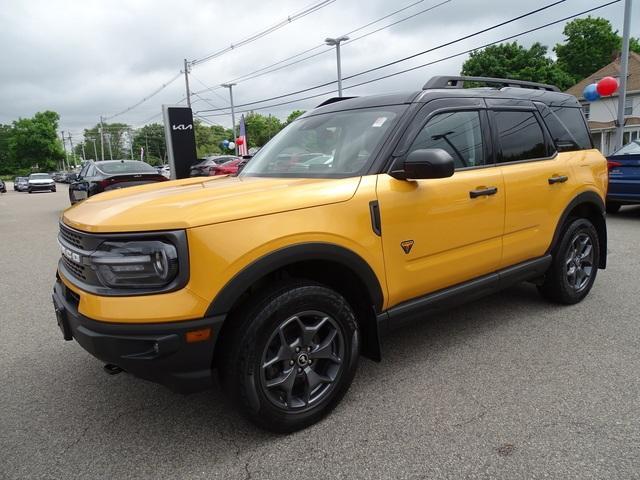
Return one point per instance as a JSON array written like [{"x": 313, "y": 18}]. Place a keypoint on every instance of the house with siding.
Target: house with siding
[{"x": 602, "y": 113}]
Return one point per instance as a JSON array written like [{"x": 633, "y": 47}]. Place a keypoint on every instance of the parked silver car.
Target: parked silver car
[{"x": 41, "y": 182}]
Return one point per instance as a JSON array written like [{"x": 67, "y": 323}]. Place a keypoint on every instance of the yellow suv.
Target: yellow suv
[{"x": 361, "y": 215}]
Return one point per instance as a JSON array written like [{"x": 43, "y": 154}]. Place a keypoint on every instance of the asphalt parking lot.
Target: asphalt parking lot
[{"x": 506, "y": 387}]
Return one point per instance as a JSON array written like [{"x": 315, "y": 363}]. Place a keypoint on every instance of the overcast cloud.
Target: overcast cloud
[{"x": 87, "y": 58}]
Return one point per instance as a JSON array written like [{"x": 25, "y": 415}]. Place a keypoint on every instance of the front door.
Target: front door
[{"x": 440, "y": 232}]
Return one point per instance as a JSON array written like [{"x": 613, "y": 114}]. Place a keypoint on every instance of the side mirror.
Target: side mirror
[{"x": 426, "y": 163}]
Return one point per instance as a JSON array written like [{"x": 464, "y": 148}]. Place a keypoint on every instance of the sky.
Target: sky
[{"x": 91, "y": 58}]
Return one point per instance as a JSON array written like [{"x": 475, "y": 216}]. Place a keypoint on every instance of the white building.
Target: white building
[{"x": 602, "y": 113}]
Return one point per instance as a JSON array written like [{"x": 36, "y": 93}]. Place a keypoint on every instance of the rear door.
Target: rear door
[{"x": 537, "y": 181}]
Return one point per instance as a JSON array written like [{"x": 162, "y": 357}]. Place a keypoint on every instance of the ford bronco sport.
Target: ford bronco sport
[{"x": 359, "y": 216}]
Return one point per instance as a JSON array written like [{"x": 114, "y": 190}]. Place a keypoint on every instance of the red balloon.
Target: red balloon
[
  {"x": 607, "y": 86},
  {"x": 239, "y": 141}
]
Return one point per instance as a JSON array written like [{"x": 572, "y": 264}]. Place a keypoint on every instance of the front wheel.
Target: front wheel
[
  {"x": 575, "y": 264},
  {"x": 292, "y": 356}
]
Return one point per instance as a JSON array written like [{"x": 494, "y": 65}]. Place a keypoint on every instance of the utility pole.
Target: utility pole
[
  {"x": 186, "y": 82},
  {"x": 64, "y": 146},
  {"x": 337, "y": 41},
  {"x": 131, "y": 144},
  {"x": 624, "y": 71},
  {"x": 73, "y": 154},
  {"x": 110, "y": 151},
  {"x": 95, "y": 149},
  {"x": 233, "y": 113},
  {"x": 84, "y": 155},
  {"x": 101, "y": 128}
]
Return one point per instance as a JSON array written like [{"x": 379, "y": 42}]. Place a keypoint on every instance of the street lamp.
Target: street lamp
[
  {"x": 233, "y": 113},
  {"x": 336, "y": 41}
]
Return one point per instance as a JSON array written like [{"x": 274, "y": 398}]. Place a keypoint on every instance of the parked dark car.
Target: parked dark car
[
  {"x": 97, "y": 177},
  {"x": 21, "y": 184},
  {"x": 205, "y": 166},
  {"x": 624, "y": 177},
  {"x": 40, "y": 182},
  {"x": 3, "y": 186}
]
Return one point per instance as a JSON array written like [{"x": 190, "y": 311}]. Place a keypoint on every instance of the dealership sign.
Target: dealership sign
[{"x": 181, "y": 139}]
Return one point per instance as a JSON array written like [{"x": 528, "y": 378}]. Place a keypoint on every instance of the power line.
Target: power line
[
  {"x": 154, "y": 93},
  {"x": 268, "y": 69},
  {"x": 291, "y": 18},
  {"x": 510, "y": 37},
  {"x": 519, "y": 17}
]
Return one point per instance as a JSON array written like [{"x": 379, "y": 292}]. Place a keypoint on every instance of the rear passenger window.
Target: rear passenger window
[
  {"x": 520, "y": 136},
  {"x": 567, "y": 128},
  {"x": 458, "y": 133}
]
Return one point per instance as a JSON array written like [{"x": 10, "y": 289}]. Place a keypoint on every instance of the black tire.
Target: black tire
[
  {"x": 30, "y": 191},
  {"x": 578, "y": 251},
  {"x": 255, "y": 378},
  {"x": 613, "y": 207}
]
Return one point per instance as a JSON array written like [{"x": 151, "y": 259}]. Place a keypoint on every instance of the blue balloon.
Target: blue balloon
[
  {"x": 226, "y": 142},
  {"x": 590, "y": 93}
]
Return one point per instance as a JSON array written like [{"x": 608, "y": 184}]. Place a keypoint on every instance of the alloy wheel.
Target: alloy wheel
[
  {"x": 579, "y": 261},
  {"x": 302, "y": 360}
]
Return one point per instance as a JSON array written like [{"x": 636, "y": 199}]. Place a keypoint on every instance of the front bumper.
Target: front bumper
[
  {"x": 45, "y": 186},
  {"x": 156, "y": 352}
]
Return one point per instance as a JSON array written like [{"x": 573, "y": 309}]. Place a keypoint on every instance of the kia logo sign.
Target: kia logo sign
[{"x": 182, "y": 126}]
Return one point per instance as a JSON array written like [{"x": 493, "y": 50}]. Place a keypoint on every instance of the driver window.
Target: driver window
[
  {"x": 459, "y": 133},
  {"x": 83, "y": 172}
]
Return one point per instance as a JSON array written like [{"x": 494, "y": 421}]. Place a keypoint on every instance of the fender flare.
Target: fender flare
[
  {"x": 592, "y": 199},
  {"x": 273, "y": 261}
]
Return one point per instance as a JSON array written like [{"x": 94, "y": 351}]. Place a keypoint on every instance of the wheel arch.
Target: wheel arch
[
  {"x": 585, "y": 205},
  {"x": 329, "y": 264}
]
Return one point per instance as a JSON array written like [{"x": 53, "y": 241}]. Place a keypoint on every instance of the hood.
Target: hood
[{"x": 194, "y": 202}]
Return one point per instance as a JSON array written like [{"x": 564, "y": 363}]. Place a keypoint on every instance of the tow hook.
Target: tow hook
[{"x": 112, "y": 369}]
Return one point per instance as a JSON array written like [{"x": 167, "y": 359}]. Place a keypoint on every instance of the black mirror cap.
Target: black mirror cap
[{"x": 426, "y": 163}]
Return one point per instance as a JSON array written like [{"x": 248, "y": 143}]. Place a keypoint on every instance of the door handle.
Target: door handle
[
  {"x": 483, "y": 192},
  {"x": 558, "y": 179}
]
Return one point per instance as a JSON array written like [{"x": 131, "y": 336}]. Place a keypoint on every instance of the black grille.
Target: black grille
[
  {"x": 77, "y": 270},
  {"x": 71, "y": 237}
]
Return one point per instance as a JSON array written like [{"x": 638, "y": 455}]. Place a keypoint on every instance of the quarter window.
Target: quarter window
[
  {"x": 459, "y": 133},
  {"x": 520, "y": 136},
  {"x": 567, "y": 127}
]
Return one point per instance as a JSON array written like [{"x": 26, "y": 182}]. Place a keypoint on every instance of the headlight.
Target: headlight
[{"x": 135, "y": 264}]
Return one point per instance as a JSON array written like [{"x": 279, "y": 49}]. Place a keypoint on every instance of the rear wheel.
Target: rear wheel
[
  {"x": 292, "y": 356},
  {"x": 613, "y": 207},
  {"x": 575, "y": 264}
]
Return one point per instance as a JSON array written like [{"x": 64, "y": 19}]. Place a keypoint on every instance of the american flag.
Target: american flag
[{"x": 243, "y": 149}]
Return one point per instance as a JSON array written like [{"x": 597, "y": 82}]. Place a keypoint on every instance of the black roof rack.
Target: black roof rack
[
  {"x": 333, "y": 100},
  {"x": 445, "y": 81}
]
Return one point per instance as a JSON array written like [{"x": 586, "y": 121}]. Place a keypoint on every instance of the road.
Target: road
[{"x": 507, "y": 387}]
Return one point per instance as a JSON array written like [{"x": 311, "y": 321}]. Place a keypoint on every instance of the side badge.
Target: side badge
[{"x": 406, "y": 245}]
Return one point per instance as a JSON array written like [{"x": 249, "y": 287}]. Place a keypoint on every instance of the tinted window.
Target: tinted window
[
  {"x": 91, "y": 172},
  {"x": 83, "y": 172},
  {"x": 458, "y": 133},
  {"x": 126, "y": 167},
  {"x": 567, "y": 128},
  {"x": 520, "y": 136}
]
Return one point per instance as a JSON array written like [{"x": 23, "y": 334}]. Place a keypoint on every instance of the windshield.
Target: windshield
[
  {"x": 126, "y": 167},
  {"x": 630, "y": 148},
  {"x": 330, "y": 145},
  {"x": 39, "y": 176}
]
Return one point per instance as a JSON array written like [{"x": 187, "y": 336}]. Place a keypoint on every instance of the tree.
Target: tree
[
  {"x": 209, "y": 137},
  {"x": 6, "y": 164},
  {"x": 151, "y": 138},
  {"x": 510, "y": 60},
  {"x": 591, "y": 44},
  {"x": 260, "y": 128},
  {"x": 115, "y": 138},
  {"x": 293, "y": 115},
  {"x": 34, "y": 143}
]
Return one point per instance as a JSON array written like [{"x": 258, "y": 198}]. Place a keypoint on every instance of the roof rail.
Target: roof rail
[
  {"x": 445, "y": 81},
  {"x": 333, "y": 100}
]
